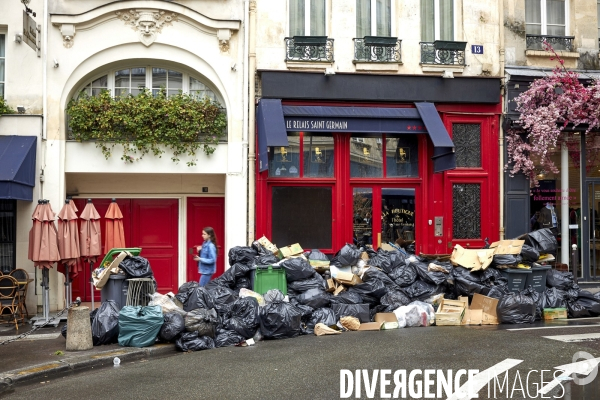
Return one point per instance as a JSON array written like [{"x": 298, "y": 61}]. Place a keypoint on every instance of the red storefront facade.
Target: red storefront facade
[{"x": 369, "y": 172}]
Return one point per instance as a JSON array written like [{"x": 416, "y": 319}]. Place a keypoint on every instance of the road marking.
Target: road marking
[
  {"x": 554, "y": 327},
  {"x": 472, "y": 386},
  {"x": 584, "y": 367},
  {"x": 39, "y": 336},
  {"x": 575, "y": 338}
]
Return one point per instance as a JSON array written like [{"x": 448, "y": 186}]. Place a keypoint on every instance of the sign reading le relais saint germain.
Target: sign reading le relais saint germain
[
  {"x": 30, "y": 32},
  {"x": 335, "y": 124}
]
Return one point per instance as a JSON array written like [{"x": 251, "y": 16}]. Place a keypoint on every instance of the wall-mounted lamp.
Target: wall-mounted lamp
[
  {"x": 55, "y": 63},
  {"x": 448, "y": 74},
  {"x": 18, "y": 38},
  {"x": 318, "y": 158},
  {"x": 21, "y": 109},
  {"x": 366, "y": 151}
]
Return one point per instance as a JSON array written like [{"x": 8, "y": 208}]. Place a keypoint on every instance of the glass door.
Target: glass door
[
  {"x": 594, "y": 225},
  {"x": 383, "y": 215}
]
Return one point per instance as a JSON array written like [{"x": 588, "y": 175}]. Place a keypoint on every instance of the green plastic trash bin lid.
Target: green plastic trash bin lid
[
  {"x": 267, "y": 278},
  {"x": 517, "y": 278}
]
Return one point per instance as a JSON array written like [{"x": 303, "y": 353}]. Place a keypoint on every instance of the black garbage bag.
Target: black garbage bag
[
  {"x": 411, "y": 248},
  {"x": 242, "y": 317},
  {"x": 174, "y": 325},
  {"x": 404, "y": 275},
  {"x": 373, "y": 273},
  {"x": 222, "y": 297},
  {"x": 374, "y": 288},
  {"x": 297, "y": 269},
  {"x": 315, "y": 298},
  {"x": 280, "y": 320},
  {"x": 322, "y": 315},
  {"x": 190, "y": 341},
  {"x": 202, "y": 321},
  {"x": 509, "y": 260},
  {"x": 559, "y": 280},
  {"x": 554, "y": 298},
  {"x": 229, "y": 278},
  {"x": 576, "y": 309},
  {"x": 242, "y": 254},
  {"x": 528, "y": 253},
  {"x": 185, "y": 291},
  {"x": 433, "y": 277},
  {"x": 348, "y": 255},
  {"x": 105, "y": 325},
  {"x": 542, "y": 240},
  {"x": 382, "y": 259},
  {"x": 360, "y": 311},
  {"x": 394, "y": 299},
  {"x": 346, "y": 298},
  {"x": 241, "y": 283},
  {"x": 317, "y": 255},
  {"x": 516, "y": 308},
  {"x": 266, "y": 259},
  {"x": 316, "y": 281},
  {"x": 421, "y": 290},
  {"x": 589, "y": 302},
  {"x": 199, "y": 298},
  {"x": 273, "y": 295},
  {"x": 226, "y": 338},
  {"x": 397, "y": 259},
  {"x": 465, "y": 287},
  {"x": 136, "y": 267},
  {"x": 538, "y": 299},
  {"x": 260, "y": 249}
]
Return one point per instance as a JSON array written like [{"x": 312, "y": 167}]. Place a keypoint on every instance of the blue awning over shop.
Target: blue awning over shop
[
  {"x": 443, "y": 148},
  {"x": 271, "y": 129},
  {"x": 17, "y": 167},
  {"x": 274, "y": 120}
]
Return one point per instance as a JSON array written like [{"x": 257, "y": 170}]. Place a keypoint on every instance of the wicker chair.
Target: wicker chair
[
  {"x": 10, "y": 300},
  {"x": 23, "y": 278}
]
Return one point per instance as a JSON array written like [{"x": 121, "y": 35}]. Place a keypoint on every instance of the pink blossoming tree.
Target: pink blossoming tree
[{"x": 547, "y": 108}]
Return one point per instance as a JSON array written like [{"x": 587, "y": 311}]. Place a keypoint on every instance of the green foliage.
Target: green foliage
[
  {"x": 5, "y": 108},
  {"x": 145, "y": 124}
]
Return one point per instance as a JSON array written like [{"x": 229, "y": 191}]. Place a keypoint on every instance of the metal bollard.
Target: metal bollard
[{"x": 575, "y": 261}]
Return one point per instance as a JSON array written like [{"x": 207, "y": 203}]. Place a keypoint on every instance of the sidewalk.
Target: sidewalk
[{"x": 39, "y": 357}]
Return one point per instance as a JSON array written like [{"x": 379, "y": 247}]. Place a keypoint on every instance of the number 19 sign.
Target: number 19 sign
[{"x": 476, "y": 49}]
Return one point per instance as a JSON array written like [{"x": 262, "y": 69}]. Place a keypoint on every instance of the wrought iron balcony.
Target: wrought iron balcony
[
  {"x": 377, "y": 49},
  {"x": 535, "y": 42},
  {"x": 443, "y": 52},
  {"x": 309, "y": 48}
]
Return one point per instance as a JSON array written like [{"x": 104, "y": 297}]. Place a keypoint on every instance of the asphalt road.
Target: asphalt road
[{"x": 308, "y": 367}]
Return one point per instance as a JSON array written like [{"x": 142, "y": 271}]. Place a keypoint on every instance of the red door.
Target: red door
[
  {"x": 202, "y": 212},
  {"x": 151, "y": 224}
]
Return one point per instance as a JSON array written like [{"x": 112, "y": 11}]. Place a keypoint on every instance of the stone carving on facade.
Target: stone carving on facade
[
  {"x": 224, "y": 35},
  {"x": 148, "y": 22},
  {"x": 68, "y": 32}
]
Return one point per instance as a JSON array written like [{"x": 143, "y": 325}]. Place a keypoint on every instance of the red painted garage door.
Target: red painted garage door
[{"x": 151, "y": 224}]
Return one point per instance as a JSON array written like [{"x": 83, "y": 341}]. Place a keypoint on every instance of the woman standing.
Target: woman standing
[{"x": 207, "y": 255}]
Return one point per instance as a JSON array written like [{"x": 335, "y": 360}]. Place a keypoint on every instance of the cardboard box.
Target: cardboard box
[
  {"x": 389, "y": 320},
  {"x": 339, "y": 290},
  {"x": 451, "y": 312},
  {"x": 482, "y": 311},
  {"x": 348, "y": 278},
  {"x": 371, "y": 326},
  {"x": 291, "y": 250},
  {"x": 555, "y": 313},
  {"x": 266, "y": 243},
  {"x": 474, "y": 259},
  {"x": 507, "y": 246},
  {"x": 387, "y": 247},
  {"x": 331, "y": 285}
]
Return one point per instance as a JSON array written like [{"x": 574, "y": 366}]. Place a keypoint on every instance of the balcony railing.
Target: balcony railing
[
  {"x": 377, "y": 49},
  {"x": 309, "y": 48},
  {"x": 442, "y": 52},
  {"x": 535, "y": 42}
]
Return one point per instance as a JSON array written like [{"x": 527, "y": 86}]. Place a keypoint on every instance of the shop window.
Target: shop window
[
  {"x": 366, "y": 157},
  {"x": 302, "y": 215},
  {"x": 402, "y": 156},
  {"x": 284, "y": 161},
  {"x": 8, "y": 229},
  {"x": 318, "y": 156},
  {"x": 362, "y": 212},
  {"x": 467, "y": 145},
  {"x": 466, "y": 210}
]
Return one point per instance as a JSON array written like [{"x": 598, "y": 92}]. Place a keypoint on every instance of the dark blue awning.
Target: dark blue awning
[
  {"x": 17, "y": 167},
  {"x": 271, "y": 129},
  {"x": 274, "y": 120},
  {"x": 443, "y": 149}
]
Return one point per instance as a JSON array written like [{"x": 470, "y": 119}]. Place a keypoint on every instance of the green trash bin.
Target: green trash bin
[
  {"x": 517, "y": 278},
  {"x": 267, "y": 277},
  {"x": 537, "y": 278}
]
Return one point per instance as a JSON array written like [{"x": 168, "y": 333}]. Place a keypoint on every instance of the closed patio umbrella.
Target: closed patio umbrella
[
  {"x": 90, "y": 238},
  {"x": 68, "y": 245},
  {"x": 43, "y": 245},
  {"x": 114, "y": 234}
]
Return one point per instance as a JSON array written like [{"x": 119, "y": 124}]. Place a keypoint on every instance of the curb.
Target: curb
[{"x": 9, "y": 379}]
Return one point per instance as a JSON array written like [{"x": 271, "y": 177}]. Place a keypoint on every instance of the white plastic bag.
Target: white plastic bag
[
  {"x": 412, "y": 315},
  {"x": 166, "y": 303},
  {"x": 249, "y": 293}
]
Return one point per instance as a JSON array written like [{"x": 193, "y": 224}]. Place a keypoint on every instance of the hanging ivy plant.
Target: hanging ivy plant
[
  {"x": 546, "y": 109},
  {"x": 142, "y": 124}
]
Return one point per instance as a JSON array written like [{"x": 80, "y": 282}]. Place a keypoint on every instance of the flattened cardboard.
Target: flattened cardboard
[
  {"x": 482, "y": 311},
  {"x": 555, "y": 313},
  {"x": 389, "y": 320},
  {"x": 507, "y": 246},
  {"x": 331, "y": 285},
  {"x": 348, "y": 278},
  {"x": 371, "y": 326},
  {"x": 339, "y": 290},
  {"x": 474, "y": 259},
  {"x": 387, "y": 247}
]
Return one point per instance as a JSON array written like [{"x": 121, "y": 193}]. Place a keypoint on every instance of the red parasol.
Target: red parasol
[
  {"x": 43, "y": 236},
  {"x": 89, "y": 233},
  {"x": 68, "y": 238},
  {"x": 115, "y": 236}
]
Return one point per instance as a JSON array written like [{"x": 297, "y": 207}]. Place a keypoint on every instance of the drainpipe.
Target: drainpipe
[
  {"x": 251, "y": 74},
  {"x": 500, "y": 128}
]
